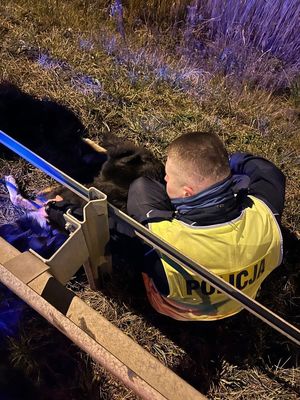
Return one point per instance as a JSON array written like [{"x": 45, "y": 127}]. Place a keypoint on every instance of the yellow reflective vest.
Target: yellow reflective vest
[{"x": 243, "y": 252}]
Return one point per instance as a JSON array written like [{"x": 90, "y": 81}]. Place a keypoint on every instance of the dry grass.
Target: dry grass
[
  {"x": 68, "y": 51},
  {"x": 157, "y": 11}
]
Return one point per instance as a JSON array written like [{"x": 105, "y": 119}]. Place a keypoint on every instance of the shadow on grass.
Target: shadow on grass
[{"x": 37, "y": 362}]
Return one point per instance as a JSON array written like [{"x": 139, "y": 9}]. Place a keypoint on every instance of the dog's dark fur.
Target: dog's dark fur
[
  {"x": 50, "y": 130},
  {"x": 55, "y": 133},
  {"x": 126, "y": 163}
]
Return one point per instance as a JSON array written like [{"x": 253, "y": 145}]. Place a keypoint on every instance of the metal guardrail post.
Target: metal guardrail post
[
  {"x": 87, "y": 244},
  {"x": 95, "y": 228}
]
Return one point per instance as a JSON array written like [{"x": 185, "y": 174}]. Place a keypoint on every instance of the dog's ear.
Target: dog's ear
[{"x": 130, "y": 159}]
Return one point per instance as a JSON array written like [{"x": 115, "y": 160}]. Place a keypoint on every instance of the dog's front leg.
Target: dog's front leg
[
  {"x": 34, "y": 209},
  {"x": 17, "y": 199}
]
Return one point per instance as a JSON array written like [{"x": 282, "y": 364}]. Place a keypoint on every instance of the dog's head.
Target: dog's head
[{"x": 127, "y": 162}]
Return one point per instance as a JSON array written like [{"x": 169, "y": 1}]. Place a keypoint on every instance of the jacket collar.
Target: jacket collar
[{"x": 219, "y": 203}]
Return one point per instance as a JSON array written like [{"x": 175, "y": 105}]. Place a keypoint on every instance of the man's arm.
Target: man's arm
[
  {"x": 267, "y": 182},
  {"x": 55, "y": 211},
  {"x": 148, "y": 201}
]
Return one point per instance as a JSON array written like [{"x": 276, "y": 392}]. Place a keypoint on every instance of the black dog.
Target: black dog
[
  {"x": 50, "y": 130},
  {"x": 56, "y": 134}
]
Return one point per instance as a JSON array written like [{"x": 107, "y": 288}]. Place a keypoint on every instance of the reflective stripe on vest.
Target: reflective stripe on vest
[{"x": 243, "y": 252}]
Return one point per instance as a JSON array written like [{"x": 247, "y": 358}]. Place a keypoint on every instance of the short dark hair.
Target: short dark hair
[{"x": 204, "y": 152}]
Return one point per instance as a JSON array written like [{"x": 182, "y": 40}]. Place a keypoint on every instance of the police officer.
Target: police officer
[{"x": 222, "y": 212}]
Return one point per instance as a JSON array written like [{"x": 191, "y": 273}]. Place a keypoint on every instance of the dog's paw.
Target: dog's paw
[
  {"x": 10, "y": 179},
  {"x": 12, "y": 187}
]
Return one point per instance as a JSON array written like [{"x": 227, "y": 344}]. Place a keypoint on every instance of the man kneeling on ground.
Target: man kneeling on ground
[{"x": 221, "y": 212}]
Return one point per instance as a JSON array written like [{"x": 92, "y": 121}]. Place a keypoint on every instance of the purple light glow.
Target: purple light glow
[
  {"x": 110, "y": 45},
  {"x": 163, "y": 72},
  {"x": 116, "y": 8},
  {"x": 11, "y": 309},
  {"x": 144, "y": 66},
  {"x": 87, "y": 84},
  {"x": 47, "y": 62},
  {"x": 86, "y": 44},
  {"x": 116, "y": 11},
  {"x": 244, "y": 40},
  {"x": 83, "y": 83},
  {"x": 253, "y": 40}
]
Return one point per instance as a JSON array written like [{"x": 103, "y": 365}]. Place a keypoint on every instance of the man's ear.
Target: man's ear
[{"x": 188, "y": 191}]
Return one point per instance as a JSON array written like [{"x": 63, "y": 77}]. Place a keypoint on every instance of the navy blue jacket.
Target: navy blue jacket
[{"x": 148, "y": 200}]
